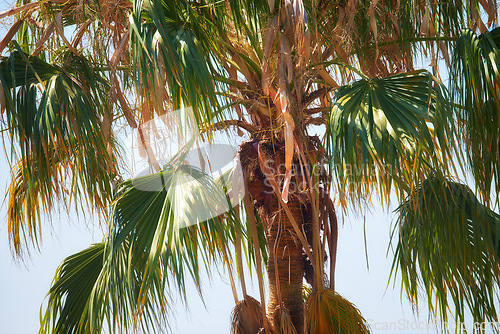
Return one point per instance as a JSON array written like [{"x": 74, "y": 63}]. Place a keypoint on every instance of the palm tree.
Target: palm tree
[{"x": 76, "y": 72}]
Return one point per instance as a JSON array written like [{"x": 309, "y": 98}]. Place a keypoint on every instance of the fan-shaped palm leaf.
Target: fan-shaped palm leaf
[
  {"x": 167, "y": 216},
  {"x": 448, "y": 245},
  {"x": 475, "y": 86},
  {"x": 386, "y": 131},
  {"x": 171, "y": 45},
  {"x": 170, "y": 220},
  {"x": 95, "y": 288},
  {"x": 162, "y": 224},
  {"x": 54, "y": 115},
  {"x": 69, "y": 296}
]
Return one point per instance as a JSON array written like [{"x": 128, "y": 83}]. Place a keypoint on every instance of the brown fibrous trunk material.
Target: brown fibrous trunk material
[{"x": 285, "y": 266}]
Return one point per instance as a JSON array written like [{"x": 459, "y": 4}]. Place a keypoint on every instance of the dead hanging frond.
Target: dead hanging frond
[
  {"x": 270, "y": 37},
  {"x": 115, "y": 16},
  {"x": 247, "y": 317},
  {"x": 283, "y": 322},
  {"x": 328, "y": 312},
  {"x": 258, "y": 259}
]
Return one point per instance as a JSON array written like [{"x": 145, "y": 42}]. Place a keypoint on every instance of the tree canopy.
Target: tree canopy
[{"x": 75, "y": 73}]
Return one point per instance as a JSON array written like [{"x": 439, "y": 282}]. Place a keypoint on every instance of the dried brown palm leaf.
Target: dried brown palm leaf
[
  {"x": 286, "y": 58},
  {"x": 80, "y": 32},
  {"x": 10, "y": 34},
  {"x": 289, "y": 150},
  {"x": 373, "y": 22},
  {"x": 327, "y": 312},
  {"x": 299, "y": 23},
  {"x": 16, "y": 10},
  {"x": 306, "y": 50},
  {"x": 424, "y": 27},
  {"x": 118, "y": 96},
  {"x": 247, "y": 317},
  {"x": 444, "y": 50},
  {"x": 115, "y": 14},
  {"x": 268, "y": 46},
  {"x": 283, "y": 321},
  {"x": 60, "y": 31},
  {"x": 46, "y": 34},
  {"x": 489, "y": 7},
  {"x": 271, "y": 5}
]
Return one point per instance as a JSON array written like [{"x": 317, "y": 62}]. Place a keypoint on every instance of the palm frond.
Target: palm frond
[
  {"x": 164, "y": 229},
  {"x": 161, "y": 225},
  {"x": 68, "y": 302},
  {"x": 94, "y": 290},
  {"x": 282, "y": 321},
  {"x": 54, "y": 115},
  {"x": 247, "y": 317},
  {"x": 448, "y": 246},
  {"x": 385, "y": 132},
  {"x": 475, "y": 84},
  {"x": 328, "y": 312},
  {"x": 387, "y": 36},
  {"x": 175, "y": 222},
  {"x": 171, "y": 44}
]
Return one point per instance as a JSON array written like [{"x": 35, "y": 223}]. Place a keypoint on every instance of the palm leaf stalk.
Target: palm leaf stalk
[{"x": 77, "y": 72}]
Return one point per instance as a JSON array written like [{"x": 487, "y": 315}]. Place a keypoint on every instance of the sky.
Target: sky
[{"x": 23, "y": 286}]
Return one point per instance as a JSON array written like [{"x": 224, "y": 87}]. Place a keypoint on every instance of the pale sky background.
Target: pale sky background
[{"x": 23, "y": 286}]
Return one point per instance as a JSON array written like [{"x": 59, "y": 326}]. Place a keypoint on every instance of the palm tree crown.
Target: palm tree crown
[{"x": 75, "y": 73}]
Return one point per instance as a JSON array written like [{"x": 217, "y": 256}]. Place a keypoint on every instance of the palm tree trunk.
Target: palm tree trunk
[{"x": 285, "y": 266}]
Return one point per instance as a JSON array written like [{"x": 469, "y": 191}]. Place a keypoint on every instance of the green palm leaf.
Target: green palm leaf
[
  {"x": 175, "y": 222},
  {"x": 164, "y": 229},
  {"x": 385, "y": 131},
  {"x": 171, "y": 45},
  {"x": 449, "y": 245},
  {"x": 94, "y": 287},
  {"x": 69, "y": 296},
  {"x": 54, "y": 114},
  {"x": 475, "y": 86},
  {"x": 161, "y": 225}
]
